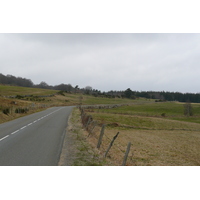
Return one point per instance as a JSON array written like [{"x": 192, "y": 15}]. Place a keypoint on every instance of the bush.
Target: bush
[
  {"x": 163, "y": 114},
  {"x": 19, "y": 97},
  {"x": 6, "y": 111},
  {"x": 188, "y": 110},
  {"x": 61, "y": 93}
]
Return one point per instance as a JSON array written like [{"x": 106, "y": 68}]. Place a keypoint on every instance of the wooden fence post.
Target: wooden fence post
[
  {"x": 90, "y": 131},
  {"x": 111, "y": 144},
  {"x": 126, "y": 154},
  {"x": 88, "y": 122},
  {"x": 83, "y": 116},
  {"x": 101, "y": 136}
]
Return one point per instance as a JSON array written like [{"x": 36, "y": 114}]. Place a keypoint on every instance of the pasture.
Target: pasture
[{"x": 160, "y": 133}]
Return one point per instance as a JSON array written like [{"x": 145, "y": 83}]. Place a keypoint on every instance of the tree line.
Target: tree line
[
  {"x": 128, "y": 93},
  {"x": 164, "y": 96},
  {"x": 23, "y": 82}
]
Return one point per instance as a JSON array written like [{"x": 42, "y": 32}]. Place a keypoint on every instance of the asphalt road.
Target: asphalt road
[{"x": 34, "y": 140}]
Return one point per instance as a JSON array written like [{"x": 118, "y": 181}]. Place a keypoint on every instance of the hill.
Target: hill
[{"x": 17, "y": 101}]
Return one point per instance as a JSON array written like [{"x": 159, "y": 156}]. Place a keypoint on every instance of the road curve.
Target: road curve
[{"x": 34, "y": 140}]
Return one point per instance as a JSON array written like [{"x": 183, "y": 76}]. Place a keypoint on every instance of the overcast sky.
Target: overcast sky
[{"x": 157, "y": 62}]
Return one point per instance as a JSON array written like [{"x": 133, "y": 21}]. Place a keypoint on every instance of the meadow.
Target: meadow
[{"x": 160, "y": 133}]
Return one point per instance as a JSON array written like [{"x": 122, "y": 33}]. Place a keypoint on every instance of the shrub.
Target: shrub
[
  {"x": 6, "y": 111},
  {"x": 163, "y": 115}
]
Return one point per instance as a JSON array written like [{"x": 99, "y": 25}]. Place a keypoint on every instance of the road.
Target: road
[{"x": 34, "y": 140}]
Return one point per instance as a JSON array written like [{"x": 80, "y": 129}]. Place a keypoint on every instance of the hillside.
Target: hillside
[
  {"x": 7, "y": 90},
  {"x": 18, "y": 101}
]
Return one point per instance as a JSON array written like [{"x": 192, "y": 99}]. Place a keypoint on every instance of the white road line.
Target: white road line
[
  {"x": 14, "y": 132},
  {"x": 23, "y": 127},
  {"x": 4, "y": 137}
]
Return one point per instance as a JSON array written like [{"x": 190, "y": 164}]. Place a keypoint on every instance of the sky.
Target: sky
[{"x": 105, "y": 61}]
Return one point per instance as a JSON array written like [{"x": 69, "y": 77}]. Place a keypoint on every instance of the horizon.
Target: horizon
[{"x": 114, "y": 90}]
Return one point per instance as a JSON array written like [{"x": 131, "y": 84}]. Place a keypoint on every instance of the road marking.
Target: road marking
[
  {"x": 23, "y": 127},
  {"x": 29, "y": 124},
  {"x": 4, "y": 137},
  {"x": 14, "y": 132}
]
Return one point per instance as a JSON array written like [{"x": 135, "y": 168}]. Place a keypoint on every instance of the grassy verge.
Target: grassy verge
[{"x": 77, "y": 150}]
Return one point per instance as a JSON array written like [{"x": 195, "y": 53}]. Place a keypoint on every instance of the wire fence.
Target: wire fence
[{"x": 106, "y": 142}]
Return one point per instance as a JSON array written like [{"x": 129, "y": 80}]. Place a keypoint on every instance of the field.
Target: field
[
  {"x": 160, "y": 134},
  {"x": 6, "y": 90}
]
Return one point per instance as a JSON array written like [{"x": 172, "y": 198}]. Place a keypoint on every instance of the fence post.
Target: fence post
[
  {"x": 90, "y": 131},
  {"x": 83, "y": 116},
  {"x": 126, "y": 154},
  {"x": 111, "y": 144},
  {"x": 88, "y": 122},
  {"x": 101, "y": 136}
]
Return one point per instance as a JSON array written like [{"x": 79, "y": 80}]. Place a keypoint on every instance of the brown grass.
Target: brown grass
[{"x": 155, "y": 141}]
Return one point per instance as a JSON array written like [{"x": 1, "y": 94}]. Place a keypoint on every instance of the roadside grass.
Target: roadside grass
[
  {"x": 156, "y": 141},
  {"x": 77, "y": 151}
]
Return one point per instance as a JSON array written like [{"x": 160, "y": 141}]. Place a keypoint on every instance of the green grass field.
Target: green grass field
[{"x": 171, "y": 110}]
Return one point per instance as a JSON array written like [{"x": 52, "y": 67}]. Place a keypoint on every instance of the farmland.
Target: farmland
[{"x": 160, "y": 134}]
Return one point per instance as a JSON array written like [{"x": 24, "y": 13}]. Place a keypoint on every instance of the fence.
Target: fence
[{"x": 97, "y": 132}]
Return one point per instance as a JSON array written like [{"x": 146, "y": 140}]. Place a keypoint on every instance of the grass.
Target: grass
[
  {"x": 172, "y": 140},
  {"x": 171, "y": 110},
  {"x": 6, "y": 90},
  {"x": 77, "y": 151},
  {"x": 91, "y": 100}
]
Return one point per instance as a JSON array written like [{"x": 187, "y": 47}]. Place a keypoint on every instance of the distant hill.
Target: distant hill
[{"x": 88, "y": 90}]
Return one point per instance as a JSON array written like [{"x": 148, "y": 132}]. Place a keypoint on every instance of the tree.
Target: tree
[
  {"x": 43, "y": 85},
  {"x": 188, "y": 111},
  {"x": 88, "y": 89},
  {"x": 128, "y": 93},
  {"x": 76, "y": 88}
]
